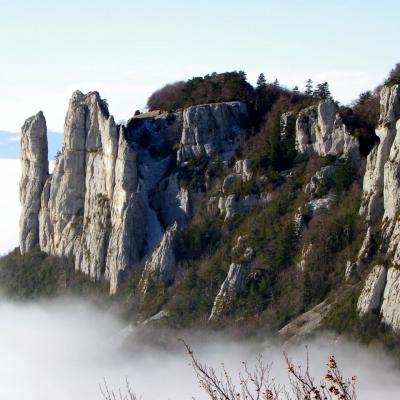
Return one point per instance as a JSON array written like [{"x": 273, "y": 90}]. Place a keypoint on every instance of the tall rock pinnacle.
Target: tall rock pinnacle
[{"x": 34, "y": 172}]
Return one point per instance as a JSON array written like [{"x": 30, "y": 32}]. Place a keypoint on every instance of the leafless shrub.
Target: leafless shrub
[
  {"x": 257, "y": 384},
  {"x": 110, "y": 394}
]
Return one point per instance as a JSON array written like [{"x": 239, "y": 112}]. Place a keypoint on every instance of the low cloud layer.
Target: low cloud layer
[
  {"x": 9, "y": 204},
  {"x": 64, "y": 349}
]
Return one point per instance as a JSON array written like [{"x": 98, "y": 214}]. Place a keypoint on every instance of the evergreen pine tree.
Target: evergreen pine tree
[
  {"x": 322, "y": 91},
  {"x": 309, "y": 87},
  {"x": 261, "y": 82}
]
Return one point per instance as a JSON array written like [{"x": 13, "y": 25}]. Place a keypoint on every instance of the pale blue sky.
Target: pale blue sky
[{"x": 126, "y": 49}]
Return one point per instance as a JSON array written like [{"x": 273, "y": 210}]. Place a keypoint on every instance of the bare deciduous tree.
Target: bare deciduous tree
[
  {"x": 110, "y": 394},
  {"x": 257, "y": 384}
]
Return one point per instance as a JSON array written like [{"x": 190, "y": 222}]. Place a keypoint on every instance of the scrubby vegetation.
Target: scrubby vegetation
[{"x": 37, "y": 275}]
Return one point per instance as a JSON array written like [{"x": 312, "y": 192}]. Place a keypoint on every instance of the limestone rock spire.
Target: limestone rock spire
[{"x": 34, "y": 172}]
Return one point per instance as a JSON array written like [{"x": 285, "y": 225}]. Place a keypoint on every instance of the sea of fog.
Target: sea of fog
[
  {"x": 65, "y": 348},
  {"x": 9, "y": 204}
]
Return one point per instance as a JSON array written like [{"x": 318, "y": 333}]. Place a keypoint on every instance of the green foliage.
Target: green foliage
[
  {"x": 197, "y": 238},
  {"x": 394, "y": 76},
  {"x": 322, "y": 91},
  {"x": 228, "y": 86},
  {"x": 336, "y": 232},
  {"x": 155, "y": 298},
  {"x": 195, "y": 174},
  {"x": 37, "y": 275}
]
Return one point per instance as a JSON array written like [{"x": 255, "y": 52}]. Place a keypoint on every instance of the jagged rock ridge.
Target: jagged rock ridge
[{"x": 112, "y": 193}]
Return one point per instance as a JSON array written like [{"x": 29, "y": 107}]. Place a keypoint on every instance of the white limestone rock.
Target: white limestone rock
[
  {"x": 390, "y": 310},
  {"x": 305, "y": 324},
  {"x": 371, "y": 295},
  {"x": 127, "y": 217},
  {"x": 229, "y": 180},
  {"x": 161, "y": 265},
  {"x": 233, "y": 205},
  {"x": 34, "y": 173},
  {"x": 243, "y": 169},
  {"x": 317, "y": 206},
  {"x": 172, "y": 201},
  {"x": 233, "y": 283},
  {"x": 320, "y": 130},
  {"x": 324, "y": 175},
  {"x": 241, "y": 173},
  {"x": 380, "y": 185},
  {"x": 210, "y": 129},
  {"x": 91, "y": 209}
]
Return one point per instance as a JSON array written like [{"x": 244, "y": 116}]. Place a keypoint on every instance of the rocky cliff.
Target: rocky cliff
[
  {"x": 114, "y": 190},
  {"x": 222, "y": 227},
  {"x": 380, "y": 208}
]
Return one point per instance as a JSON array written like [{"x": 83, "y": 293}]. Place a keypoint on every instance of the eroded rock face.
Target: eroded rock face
[
  {"x": 161, "y": 265},
  {"x": 211, "y": 129},
  {"x": 233, "y": 205},
  {"x": 320, "y": 130},
  {"x": 127, "y": 217},
  {"x": 172, "y": 201},
  {"x": 234, "y": 282},
  {"x": 380, "y": 185},
  {"x": 318, "y": 180},
  {"x": 114, "y": 190},
  {"x": 91, "y": 208},
  {"x": 241, "y": 173},
  {"x": 34, "y": 172},
  {"x": 305, "y": 324},
  {"x": 390, "y": 309},
  {"x": 371, "y": 296}
]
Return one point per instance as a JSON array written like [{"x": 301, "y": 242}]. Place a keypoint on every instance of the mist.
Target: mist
[{"x": 64, "y": 349}]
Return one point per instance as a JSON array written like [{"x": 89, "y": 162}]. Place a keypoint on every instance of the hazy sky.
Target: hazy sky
[{"x": 126, "y": 49}]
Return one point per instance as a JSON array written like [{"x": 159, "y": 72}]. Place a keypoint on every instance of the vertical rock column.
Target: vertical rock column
[{"x": 34, "y": 172}]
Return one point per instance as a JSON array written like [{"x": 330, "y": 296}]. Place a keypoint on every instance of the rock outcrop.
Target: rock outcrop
[
  {"x": 211, "y": 129},
  {"x": 115, "y": 190},
  {"x": 233, "y": 283},
  {"x": 233, "y": 205},
  {"x": 380, "y": 185},
  {"x": 91, "y": 208},
  {"x": 371, "y": 296},
  {"x": 241, "y": 173},
  {"x": 320, "y": 130},
  {"x": 161, "y": 265},
  {"x": 127, "y": 217},
  {"x": 390, "y": 310},
  {"x": 305, "y": 324},
  {"x": 382, "y": 292},
  {"x": 34, "y": 172}
]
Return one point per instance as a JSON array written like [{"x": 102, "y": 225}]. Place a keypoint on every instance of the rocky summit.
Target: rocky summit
[{"x": 222, "y": 214}]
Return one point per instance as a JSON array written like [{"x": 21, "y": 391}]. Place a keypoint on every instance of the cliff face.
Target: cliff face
[
  {"x": 211, "y": 129},
  {"x": 112, "y": 194},
  {"x": 125, "y": 199},
  {"x": 380, "y": 207},
  {"x": 320, "y": 130},
  {"x": 93, "y": 187},
  {"x": 34, "y": 172}
]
